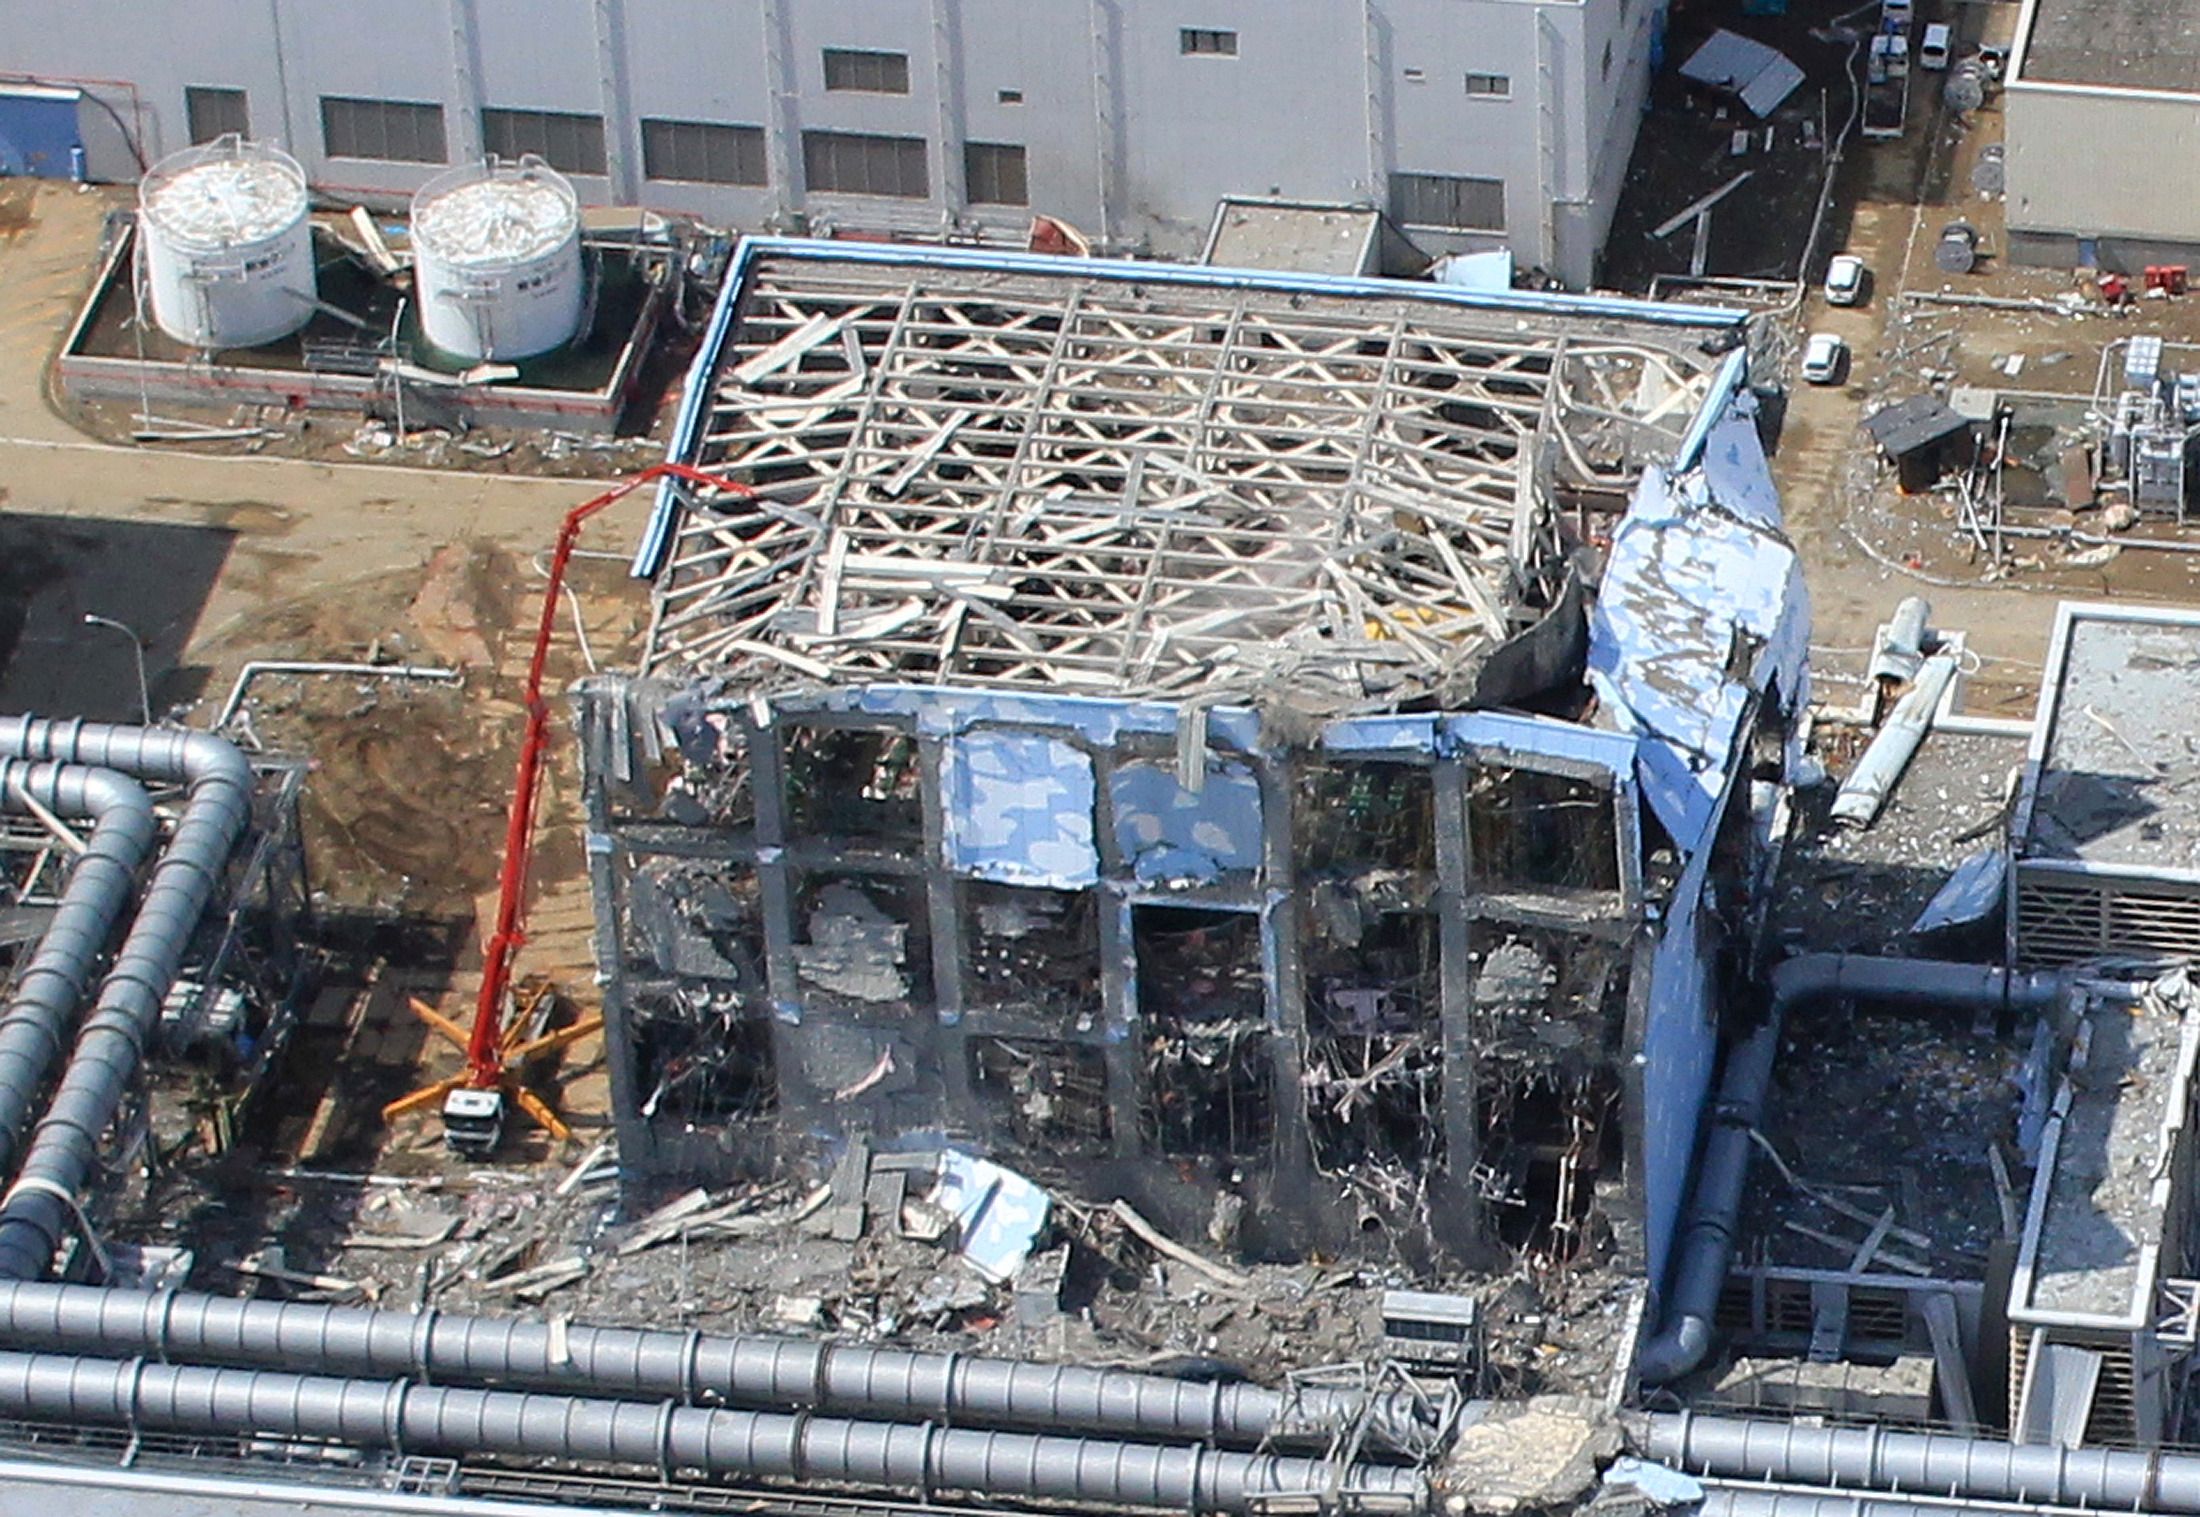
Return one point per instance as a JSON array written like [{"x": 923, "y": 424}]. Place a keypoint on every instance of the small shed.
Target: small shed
[
  {"x": 1925, "y": 437},
  {"x": 1309, "y": 237},
  {"x": 1760, "y": 76}
]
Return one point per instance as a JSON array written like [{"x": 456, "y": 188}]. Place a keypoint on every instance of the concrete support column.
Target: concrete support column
[
  {"x": 1462, "y": 1133},
  {"x": 462, "y": 122},
  {"x": 622, "y": 151}
]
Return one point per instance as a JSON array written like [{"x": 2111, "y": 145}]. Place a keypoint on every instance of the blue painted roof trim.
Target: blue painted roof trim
[
  {"x": 1723, "y": 387},
  {"x": 1135, "y": 271},
  {"x": 656, "y": 540},
  {"x": 938, "y": 710},
  {"x": 649, "y": 554},
  {"x": 1453, "y": 733}
]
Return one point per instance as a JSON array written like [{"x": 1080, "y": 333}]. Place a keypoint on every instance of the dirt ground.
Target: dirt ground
[
  {"x": 1864, "y": 544},
  {"x": 219, "y": 560}
]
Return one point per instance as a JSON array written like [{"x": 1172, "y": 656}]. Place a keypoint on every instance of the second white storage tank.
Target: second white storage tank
[
  {"x": 497, "y": 259},
  {"x": 228, "y": 249}
]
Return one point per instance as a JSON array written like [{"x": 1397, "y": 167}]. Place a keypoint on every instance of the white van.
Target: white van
[{"x": 1932, "y": 52}]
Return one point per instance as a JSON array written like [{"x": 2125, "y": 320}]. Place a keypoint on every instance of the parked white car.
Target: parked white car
[
  {"x": 1845, "y": 280},
  {"x": 1932, "y": 51},
  {"x": 1824, "y": 358}
]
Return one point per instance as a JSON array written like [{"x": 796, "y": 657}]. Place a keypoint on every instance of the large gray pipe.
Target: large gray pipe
[
  {"x": 1750, "y": 1499},
  {"x": 35, "y": 1026},
  {"x": 1864, "y": 1458},
  {"x": 766, "y": 1445},
  {"x": 1706, "y": 1244},
  {"x": 1873, "y": 779},
  {"x": 691, "y": 1367},
  {"x": 35, "y": 1214}
]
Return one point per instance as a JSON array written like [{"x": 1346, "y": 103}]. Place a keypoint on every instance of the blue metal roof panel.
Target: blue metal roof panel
[{"x": 1702, "y": 606}]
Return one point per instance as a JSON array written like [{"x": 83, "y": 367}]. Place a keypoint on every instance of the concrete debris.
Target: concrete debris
[
  {"x": 855, "y": 950},
  {"x": 953, "y": 1252},
  {"x": 1039, "y": 1284},
  {"x": 798, "y": 1311},
  {"x": 1660, "y": 1485},
  {"x": 1532, "y": 1455}
]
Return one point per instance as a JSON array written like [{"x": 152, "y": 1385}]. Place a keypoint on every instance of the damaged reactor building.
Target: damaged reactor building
[{"x": 1292, "y": 752}]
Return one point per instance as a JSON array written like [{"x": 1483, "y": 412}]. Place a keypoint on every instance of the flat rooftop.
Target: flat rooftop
[
  {"x": 2118, "y": 781},
  {"x": 1876, "y": 1109},
  {"x": 2115, "y": 44},
  {"x": 1883, "y": 1112},
  {"x": 2105, "y": 1187},
  {"x": 1313, "y": 239},
  {"x": 1101, "y": 477}
]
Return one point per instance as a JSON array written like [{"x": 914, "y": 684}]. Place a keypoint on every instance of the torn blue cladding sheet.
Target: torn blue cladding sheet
[
  {"x": 998, "y": 1211},
  {"x": 1019, "y": 810},
  {"x": 1972, "y": 894},
  {"x": 1175, "y": 836},
  {"x": 1735, "y": 469},
  {"x": 1659, "y": 1485},
  {"x": 1702, "y": 605}
]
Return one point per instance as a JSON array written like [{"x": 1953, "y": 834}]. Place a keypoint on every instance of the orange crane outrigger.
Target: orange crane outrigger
[{"x": 473, "y": 1100}]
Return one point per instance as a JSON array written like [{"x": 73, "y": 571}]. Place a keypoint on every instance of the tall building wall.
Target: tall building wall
[{"x": 1478, "y": 123}]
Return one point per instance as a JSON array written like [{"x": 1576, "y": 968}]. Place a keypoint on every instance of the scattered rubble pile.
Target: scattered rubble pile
[
  {"x": 931, "y": 1249},
  {"x": 1847, "y": 890},
  {"x": 1889, "y": 1112}
]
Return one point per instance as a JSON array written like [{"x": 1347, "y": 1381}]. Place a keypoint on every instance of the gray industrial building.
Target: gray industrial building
[
  {"x": 2102, "y": 120},
  {"x": 1476, "y": 123}
]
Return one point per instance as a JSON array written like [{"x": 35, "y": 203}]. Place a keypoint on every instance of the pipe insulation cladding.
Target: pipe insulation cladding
[
  {"x": 1865, "y": 1459},
  {"x": 38, "y": 1209},
  {"x": 923, "y": 1458},
  {"x": 101, "y": 881},
  {"x": 700, "y": 1369}
]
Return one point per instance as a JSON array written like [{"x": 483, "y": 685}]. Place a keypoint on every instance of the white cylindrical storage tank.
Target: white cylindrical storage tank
[
  {"x": 497, "y": 259},
  {"x": 228, "y": 249}
]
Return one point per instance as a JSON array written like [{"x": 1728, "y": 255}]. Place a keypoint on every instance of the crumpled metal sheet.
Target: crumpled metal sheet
[
  {"x": 998, "y": 1211},
  {"x": 1702, "y": 604},
  {"x": 1736, "y": 469}
]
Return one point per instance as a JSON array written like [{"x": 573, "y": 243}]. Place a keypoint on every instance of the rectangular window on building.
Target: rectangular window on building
[
  {"x": 1445, "y": 200},
  {"x": 854, "y": 163},
  {"x": 703, "y": 151},
  {"x": 212, "y": 113},
  {"x": 401, "y": 131},
  {"x": 993, "y": 173},
  {"x": 570, "y": 142},
  {"x": 848, "y": 68},
  {"x": 1201, "y": 42},
  {"x": 1490, "y": 86}
]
